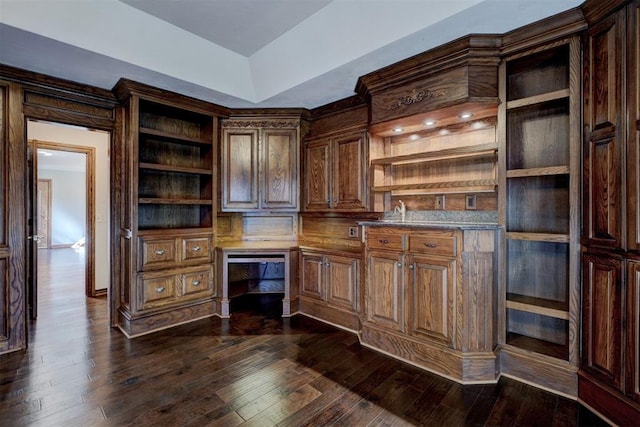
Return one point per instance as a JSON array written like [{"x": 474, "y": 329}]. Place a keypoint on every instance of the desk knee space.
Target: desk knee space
[{"x": 246, "y": 253}]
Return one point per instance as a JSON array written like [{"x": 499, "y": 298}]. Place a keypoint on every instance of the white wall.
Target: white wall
[
  {"x": 68, "y": 204},
  {"x": 70, "y": 135}
]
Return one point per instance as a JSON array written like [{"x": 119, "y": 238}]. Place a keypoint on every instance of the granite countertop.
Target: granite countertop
[{"x": 439, "y": 219}]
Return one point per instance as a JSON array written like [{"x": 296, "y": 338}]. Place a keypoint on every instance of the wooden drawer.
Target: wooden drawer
[
  {"x": 196, "y": 282},
  {"x": 156, "y": 290},
  {"x": 433, "y": 244},
  {"x": 196, "y": 249},
  {"x": 157, "y": 253},
  {"x": 378, "y": 240}
]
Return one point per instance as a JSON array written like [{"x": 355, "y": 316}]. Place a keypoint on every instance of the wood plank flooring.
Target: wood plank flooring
[{"x": 255, "y": 369}]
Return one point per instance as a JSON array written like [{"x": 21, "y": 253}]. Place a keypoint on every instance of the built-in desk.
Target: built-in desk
[{"x": 255, "y": 252}]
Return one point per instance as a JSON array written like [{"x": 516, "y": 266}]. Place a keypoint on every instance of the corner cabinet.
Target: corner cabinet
[
  {"x": 429, "y": 298},
  {"x": 260, "y": 164},
  {"x": 166, "y": 158},
  {"x": 609, "y": 376},
  {"x": 335, "y": 171}
]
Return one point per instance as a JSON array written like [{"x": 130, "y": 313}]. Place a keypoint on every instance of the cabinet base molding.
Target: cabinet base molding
[
  {"x": 135, "y": 327},
  {"x": 608, "y": 403},
  {"x": 547, "y": 373},
  {"x": 464, "y": 368},
  {"x": 333, "y": 316}
]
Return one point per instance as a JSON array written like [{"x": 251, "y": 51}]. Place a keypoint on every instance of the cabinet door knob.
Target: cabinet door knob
[
  {"x": 160, "y": 289},
  {"x": 196, "y": 249},
  {"x": 399, "y": 264},
  {"x": 159, "y": 251},
  {"x": 411, "y": 267},
  {"x": 196, "y": 283},
  {"x": 383, "y": 241},
  {"x": 431, "y": 245},
  {"x": 328, "y": 264}
]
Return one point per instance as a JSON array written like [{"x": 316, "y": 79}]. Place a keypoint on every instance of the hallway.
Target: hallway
[{"x": 254, "y": 369}]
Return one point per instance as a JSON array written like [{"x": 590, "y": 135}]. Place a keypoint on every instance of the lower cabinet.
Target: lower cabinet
[
  {"x": 173, "y": 284},
  {"x": 329, "y": 285},
  {"x": 429, "y": 298},
  {"x": 609, "y": 378}
]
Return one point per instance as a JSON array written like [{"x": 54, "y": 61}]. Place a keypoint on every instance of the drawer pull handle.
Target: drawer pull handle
[
  {"x": 159, "y": 251},
  {"x": 160, "y": 289},
  {"x": 431, "y": 245},
  {"x": 384, "y": 241},
  {"x": 196, "y": 283},
  {"x": 196, "y": 249}
]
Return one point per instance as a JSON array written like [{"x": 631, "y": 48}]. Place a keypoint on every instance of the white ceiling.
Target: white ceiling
[{"x": 244, "y": 53}]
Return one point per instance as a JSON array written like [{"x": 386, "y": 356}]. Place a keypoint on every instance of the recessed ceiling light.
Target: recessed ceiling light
[
  {"x": 466, "y": 115},
  {"x": 398, "y": 129},
  {"x": 429, "y": 122}
]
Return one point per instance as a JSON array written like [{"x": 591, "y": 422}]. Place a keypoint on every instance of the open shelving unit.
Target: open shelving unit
[
  {"x": 456, "y": 158},
  {"x": 175, "y": 168},
  {"x": 540, "y": 199}
]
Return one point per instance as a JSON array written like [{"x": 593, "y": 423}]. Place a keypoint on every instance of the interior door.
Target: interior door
[
  {"x": 43, "y": 201},
  {"x": 32, "y": 229}
]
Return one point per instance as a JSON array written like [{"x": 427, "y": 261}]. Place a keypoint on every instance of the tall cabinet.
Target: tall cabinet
[
  {"x": 539, "y": 207},
  {"x": 167, "y": 155},
  {"x": 609, "y": 377}
]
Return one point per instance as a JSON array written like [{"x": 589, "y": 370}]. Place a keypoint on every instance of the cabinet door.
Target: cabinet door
[
  {"x": 602, "y": 318},
  {"x": 239, "y": 169},
  {"x": 312, "y": 276},
  {"x": 342, "y": 281},
  {"x": 633, "y": 143},
  {"x": 430, "y": 298},
  {"x": 316, "y": 176},
  {"x": 384, "y": 289},
  {"x": 633, "y": 331},
  {"x": 348, "y": 172},
  {"x": 280, "y": 169},
  {"x": 603, "y": 134}
]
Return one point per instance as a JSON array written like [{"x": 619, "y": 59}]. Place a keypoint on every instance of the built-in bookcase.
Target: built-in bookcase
[
  {"x": 175, "y": 168},
  {"x": 539, "y": 158}
]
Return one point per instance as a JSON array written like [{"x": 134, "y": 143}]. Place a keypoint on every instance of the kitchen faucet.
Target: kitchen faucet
[{"x": 402, "y": 209}]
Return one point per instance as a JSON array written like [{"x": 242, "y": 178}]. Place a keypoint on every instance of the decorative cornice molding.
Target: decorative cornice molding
[
  {"x": 273, "y": 124},
  {"x": 416, "y": 96}
]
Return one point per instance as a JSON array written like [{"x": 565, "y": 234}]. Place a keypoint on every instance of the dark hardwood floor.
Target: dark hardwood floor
[{"x": 255, "y": 369}]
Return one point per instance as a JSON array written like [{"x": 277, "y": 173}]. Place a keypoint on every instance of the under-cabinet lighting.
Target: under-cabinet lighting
[
  {"x": 414, "y": 137},
  {"x": 466, "y": 115},
  {"x": 429, "y": 122},
  {"x": 398, "y": 129}
]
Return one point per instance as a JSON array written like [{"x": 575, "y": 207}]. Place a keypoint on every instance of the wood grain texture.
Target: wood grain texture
[{"x": 602, "y": 319}]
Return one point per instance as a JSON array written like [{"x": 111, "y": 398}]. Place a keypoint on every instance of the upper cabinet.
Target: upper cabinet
[
  {"x": 260, "y": 164},
  {"x": 335, "y": 159}
]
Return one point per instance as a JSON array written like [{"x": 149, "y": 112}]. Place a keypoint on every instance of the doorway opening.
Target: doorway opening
[{"x": 69, "y": 211}]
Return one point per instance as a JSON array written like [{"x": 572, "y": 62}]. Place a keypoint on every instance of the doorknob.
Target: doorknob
[{"x": 35, "y": 238}]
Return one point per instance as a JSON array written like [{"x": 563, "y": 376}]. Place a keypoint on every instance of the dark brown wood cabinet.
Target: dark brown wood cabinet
[
  {"x": 168, "y": 186},
  {"x": 329, "y": 286},
  {"x": 260, "y": 164},
  {"x": 539, "y": 206},
  {"x": 609, "y": 374},
  {"x": 335, "y": 173},
  {"x": 429, "y": 298},
  {"x": 602, "y": 318}
]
